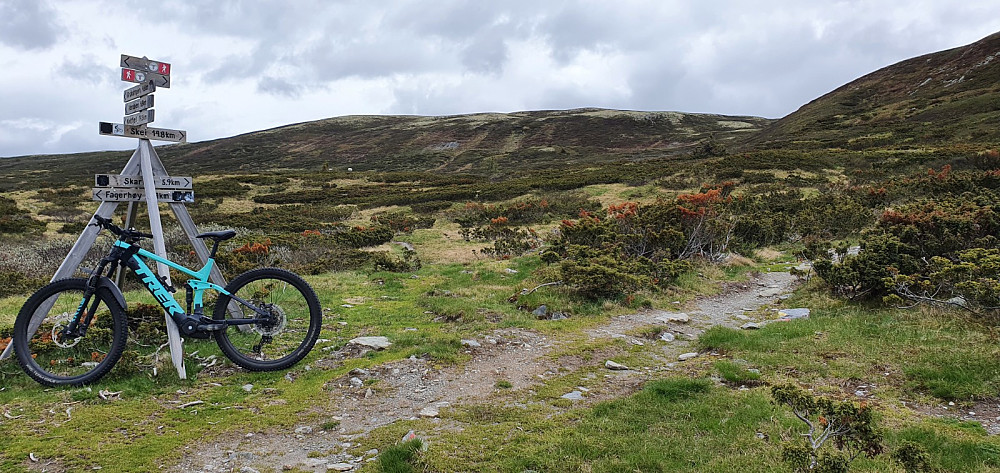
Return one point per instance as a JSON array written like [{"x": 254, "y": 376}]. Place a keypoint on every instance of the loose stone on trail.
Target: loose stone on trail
[
  {"x": 679, "y": 317},
  {"x": 611, "y": 365},
  {"x": 772, "y": 292},
  {"x": 792, "y": 314},
  {"x": 687, "y": 356},
  {"x": 378, "y": 343}
]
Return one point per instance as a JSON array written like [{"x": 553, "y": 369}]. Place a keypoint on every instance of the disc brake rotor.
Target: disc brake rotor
[
  {"x": 59, "y": 323},
  {"x": 278, "y": 321}
]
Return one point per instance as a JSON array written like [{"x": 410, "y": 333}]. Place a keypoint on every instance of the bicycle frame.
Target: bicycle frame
[{"x": 197, "y": 286}]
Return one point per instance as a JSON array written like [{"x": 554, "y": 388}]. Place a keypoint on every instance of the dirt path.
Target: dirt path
[{"x": 411, "y": 388}]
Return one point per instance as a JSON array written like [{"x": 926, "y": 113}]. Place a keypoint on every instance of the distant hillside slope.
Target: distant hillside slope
[
  {"x": 947, "y": 97},
  {"x": 487, "y": 143}
]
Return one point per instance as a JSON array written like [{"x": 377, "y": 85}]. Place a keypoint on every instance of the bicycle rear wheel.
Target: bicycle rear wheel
[
  {"x": 296, "y": 319},
  {"x": 53, "y": 360}
]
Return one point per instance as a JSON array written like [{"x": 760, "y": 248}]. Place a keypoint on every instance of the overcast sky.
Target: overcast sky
[{"x": 241, "y": 66}]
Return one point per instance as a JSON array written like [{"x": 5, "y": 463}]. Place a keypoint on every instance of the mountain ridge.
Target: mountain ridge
[
  {"x": 933, "y": 99},
  {"x": 478, "y": 143}
]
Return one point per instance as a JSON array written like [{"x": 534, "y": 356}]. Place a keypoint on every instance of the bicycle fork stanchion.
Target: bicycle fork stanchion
[
  {"x": 146, "y": 154},
  {"x": 133, "y": 207}
]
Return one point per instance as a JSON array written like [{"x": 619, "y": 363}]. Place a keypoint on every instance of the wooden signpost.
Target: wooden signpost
[
  {"x": 140, "y": 90},
  {"x": 136, "y": 131},
  {"x": 143, "y": 179},
  {"x": 141, "y": 118},
  {"x": 139, "y": 104},
  {"x": 162, "y": 182}
]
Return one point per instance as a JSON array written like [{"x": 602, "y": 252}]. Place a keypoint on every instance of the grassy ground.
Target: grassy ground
[
  {"x": 702, "y": 422},
  {"x": 146, "y": 418},
  {"x": 908, "y": 365},
  {"x": 690, "y": 421}
]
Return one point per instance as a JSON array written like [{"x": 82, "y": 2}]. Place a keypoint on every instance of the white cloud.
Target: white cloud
[
  {"x": 28, "y": 24},
  {"x": 240, "y": 66}
]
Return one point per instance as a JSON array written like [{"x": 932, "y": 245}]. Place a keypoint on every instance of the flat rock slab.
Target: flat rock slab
[
  {"x": 378, "y": 343},
  {"x": 791, "y": 314},
  {"x": 573, "y": 396},
  {"x": 611, "y": 365},
  {"x": 679, "y": 317},
  {"x": 750, "y": 326},
  {"x": 773, "y": 292},
  {"x": 687, "y": 356}
]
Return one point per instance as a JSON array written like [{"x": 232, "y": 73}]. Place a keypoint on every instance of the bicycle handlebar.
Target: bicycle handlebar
[{"x": 111, "y": 227}]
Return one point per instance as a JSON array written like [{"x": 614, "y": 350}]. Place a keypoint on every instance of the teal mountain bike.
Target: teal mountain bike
[{"x": 73, "y": 331}]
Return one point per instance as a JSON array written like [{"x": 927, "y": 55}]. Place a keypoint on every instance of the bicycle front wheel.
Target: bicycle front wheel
[
  {"x": 294, "y": 319},
  {"x": 53, "y": 359}
]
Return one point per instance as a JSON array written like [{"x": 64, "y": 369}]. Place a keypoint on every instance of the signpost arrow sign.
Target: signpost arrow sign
[
  {"x": 145, "y": 65},
  {"x": 140, "y": 90},
  {"x": 149, "y": 133},
  {"x": 135, "y": 182},
  {"x": 113, "y": 194},
  {"x": 140, "y": 118},
  {"x": 139, "y": 77},
  {"x": 139, "y": 104}
]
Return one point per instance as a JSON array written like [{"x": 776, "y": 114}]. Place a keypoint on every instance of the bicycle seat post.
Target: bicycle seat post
[{"x": 217, "y": 237}]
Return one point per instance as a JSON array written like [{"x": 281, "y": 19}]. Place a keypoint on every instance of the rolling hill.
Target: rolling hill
[
  {"x": 943, "y": 98},
  {"x": 481, "y": 143}
]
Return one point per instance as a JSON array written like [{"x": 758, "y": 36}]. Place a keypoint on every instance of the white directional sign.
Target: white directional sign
[
  {"x": 145, "y": 65},
  {"x": 112, "y": 194},
  {"x": 139, "y": 77},
  {"x": 139, "y": 104},
  {"x": 135, "y": 182},
  {"x": 140, "y": 90},
  {"x": 140, "y": 118},
  {"x": 143, "y": 132}
]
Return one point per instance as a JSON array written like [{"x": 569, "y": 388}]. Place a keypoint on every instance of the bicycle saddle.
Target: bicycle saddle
[{"x": 221, "y": 235}]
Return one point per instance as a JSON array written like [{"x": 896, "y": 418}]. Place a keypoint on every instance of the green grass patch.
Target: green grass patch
[
  {"x": 675, "y": 424},
  {"x": 737, "y": 373},
  {"x": 942, "y": 354},
  {"x": 399, "y": 458}
]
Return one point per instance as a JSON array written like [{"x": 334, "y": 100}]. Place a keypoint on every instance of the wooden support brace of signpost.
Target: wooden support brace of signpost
[{"x": 146, "y": 154}]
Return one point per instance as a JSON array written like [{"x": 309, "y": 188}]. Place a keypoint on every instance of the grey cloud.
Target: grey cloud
[
  {"x": 486, "y": 54},
  {"x": 278, "y": 86},
  {"x": 28, "y": 24},
  {"x": 89, "y": 69},
  {"x": 242, "y": 65},
  {"x": 572, "y": 30},
  {"x": 455, "y": 19},
  {"x": 375, "y": 58}
]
